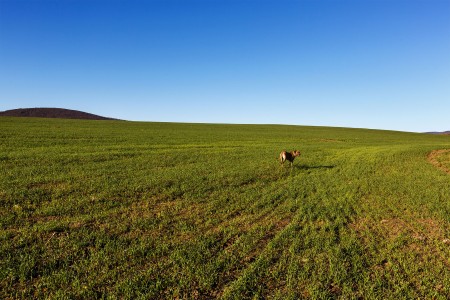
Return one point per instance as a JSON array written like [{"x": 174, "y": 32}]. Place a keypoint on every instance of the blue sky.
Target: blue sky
[{"x": 381, "y": 64}]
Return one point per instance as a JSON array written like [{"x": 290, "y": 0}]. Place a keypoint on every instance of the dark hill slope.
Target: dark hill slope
[
  {"x": 444, "y": 132},
  {"x": 51, "y": 113}
]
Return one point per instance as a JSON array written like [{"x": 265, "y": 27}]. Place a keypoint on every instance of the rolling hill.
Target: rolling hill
[
  {"x": 439, "y": 132},
  {"x": 59, "y": 113}
]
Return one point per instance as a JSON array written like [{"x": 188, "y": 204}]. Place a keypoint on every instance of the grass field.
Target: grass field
[{"x": 113, "y": 209}]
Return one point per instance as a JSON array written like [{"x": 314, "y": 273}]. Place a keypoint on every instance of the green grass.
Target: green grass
[{"x": 112, "y": 209}]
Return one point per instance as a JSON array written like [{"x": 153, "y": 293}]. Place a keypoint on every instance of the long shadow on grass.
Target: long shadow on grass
[{"x": 306, "y": 167}]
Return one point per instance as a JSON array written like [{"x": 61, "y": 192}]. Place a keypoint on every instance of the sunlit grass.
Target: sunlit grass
[{"x": 158, "y": 210}]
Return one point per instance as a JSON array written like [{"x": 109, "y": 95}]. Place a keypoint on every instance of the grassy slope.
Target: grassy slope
[{"x": 154, "y": 210}]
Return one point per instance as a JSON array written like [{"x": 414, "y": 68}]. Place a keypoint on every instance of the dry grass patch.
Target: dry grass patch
[
  {"x": 422, "y": 229},
  {"x": 437, "y": 159},
  {"x": 425, "y": 238}
]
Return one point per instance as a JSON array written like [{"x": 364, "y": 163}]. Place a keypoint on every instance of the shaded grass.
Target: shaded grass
[{"x": 95, "y": 209}]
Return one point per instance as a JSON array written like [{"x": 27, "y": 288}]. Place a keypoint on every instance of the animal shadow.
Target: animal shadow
[{"x": 306, "y": 167}]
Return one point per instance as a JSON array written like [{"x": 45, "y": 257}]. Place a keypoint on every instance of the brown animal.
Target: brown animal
[{"x": 289, "y": 156}]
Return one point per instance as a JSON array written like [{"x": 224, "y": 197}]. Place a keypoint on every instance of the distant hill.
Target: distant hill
[
  {"x": 443, "y": 132},
  {"x": 51, "y": 113}
]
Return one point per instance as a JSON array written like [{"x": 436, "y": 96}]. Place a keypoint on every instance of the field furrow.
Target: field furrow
[{"x": 200, "y": 211}]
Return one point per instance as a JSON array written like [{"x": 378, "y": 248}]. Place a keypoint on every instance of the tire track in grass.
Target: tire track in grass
[
  {"x": 238, "y": 238},
  {"x": 245, "y": 233},
  {"x": 269, "y": 248},
  {"x": 273, "y": 246},
  {"x": 255, "y": 280},
  {"x": 227, "y": 256},
  {"x": 246, "y": 246}
]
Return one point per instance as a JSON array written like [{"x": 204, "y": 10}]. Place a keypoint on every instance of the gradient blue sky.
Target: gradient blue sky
[{"x": 373, "y": 64}]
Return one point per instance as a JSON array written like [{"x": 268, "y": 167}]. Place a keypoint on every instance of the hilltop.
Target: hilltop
[
  {"x": 60, "y": 113},
  {"x": 443, "y": 132}
]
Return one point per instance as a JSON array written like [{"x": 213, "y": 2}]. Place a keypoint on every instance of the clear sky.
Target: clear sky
[{"x": 354, "y": 63}]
